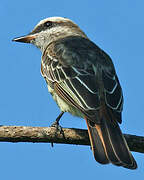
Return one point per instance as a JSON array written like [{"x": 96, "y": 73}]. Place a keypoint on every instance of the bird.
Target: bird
[{"x": 82, "y": 79}]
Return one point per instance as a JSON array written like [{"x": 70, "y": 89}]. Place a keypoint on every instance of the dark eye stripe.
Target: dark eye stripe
[
  {"x": 48, "y": 24},
  {"x": 42, "y": 27}
]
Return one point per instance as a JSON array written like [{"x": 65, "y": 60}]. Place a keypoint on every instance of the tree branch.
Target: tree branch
[{"x": 51, "y": 135}]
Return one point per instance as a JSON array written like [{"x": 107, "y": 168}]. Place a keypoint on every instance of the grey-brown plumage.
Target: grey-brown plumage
[{"x": 82, "y": 80}]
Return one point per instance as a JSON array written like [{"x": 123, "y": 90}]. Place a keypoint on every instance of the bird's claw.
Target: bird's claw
[
  {"x": 57, "y": 126},
  {"x": 58, "y": 129}
]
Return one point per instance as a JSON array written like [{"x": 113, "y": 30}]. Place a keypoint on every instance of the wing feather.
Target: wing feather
[{"x": 72, "y": 63}]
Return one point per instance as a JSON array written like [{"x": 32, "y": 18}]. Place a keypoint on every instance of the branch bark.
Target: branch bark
[{"x": 51, "y": 135}]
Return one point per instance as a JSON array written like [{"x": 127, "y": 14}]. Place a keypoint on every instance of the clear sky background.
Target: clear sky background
[{"x": 118, "y": 28}]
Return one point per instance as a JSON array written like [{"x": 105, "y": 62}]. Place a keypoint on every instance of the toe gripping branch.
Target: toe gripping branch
[{"x": 57, "y": 126}]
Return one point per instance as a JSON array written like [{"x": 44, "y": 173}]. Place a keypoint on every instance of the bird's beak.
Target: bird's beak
[{"x": 25, "y": 39}]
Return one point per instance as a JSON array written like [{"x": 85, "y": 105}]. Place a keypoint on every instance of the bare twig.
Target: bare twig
[{"x": 50, "y": 135}]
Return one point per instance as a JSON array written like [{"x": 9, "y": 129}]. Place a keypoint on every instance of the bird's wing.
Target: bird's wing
[{"x": 83, "y": 75}]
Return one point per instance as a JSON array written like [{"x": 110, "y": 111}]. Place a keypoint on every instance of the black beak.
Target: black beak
[{"x": 25, "y": 39}]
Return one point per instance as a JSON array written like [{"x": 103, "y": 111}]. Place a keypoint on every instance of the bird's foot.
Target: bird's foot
[
  {"x": 58, "y": 129},
  {"x": 57, "y": 126},
  {"x": 56, "y": 123}
]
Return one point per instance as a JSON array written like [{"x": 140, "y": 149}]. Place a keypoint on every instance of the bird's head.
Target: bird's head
[{"x": 49, "y": 30}]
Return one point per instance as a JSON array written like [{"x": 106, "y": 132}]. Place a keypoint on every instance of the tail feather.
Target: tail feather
[
  {"x": 97, "y": 141},
  {"x": 109, "y": 145}
]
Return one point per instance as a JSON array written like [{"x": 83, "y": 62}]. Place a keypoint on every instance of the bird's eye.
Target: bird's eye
[{"x": 48, "y": 24}]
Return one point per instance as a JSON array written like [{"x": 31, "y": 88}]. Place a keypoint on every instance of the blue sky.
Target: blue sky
[{"x": 117, "y": 27}]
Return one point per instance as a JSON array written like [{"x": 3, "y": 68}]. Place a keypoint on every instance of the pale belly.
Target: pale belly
[{"x": 65, "y": 107}]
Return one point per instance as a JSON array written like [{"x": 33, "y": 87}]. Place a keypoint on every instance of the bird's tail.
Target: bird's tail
[{"x": 108, "y": 144}]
